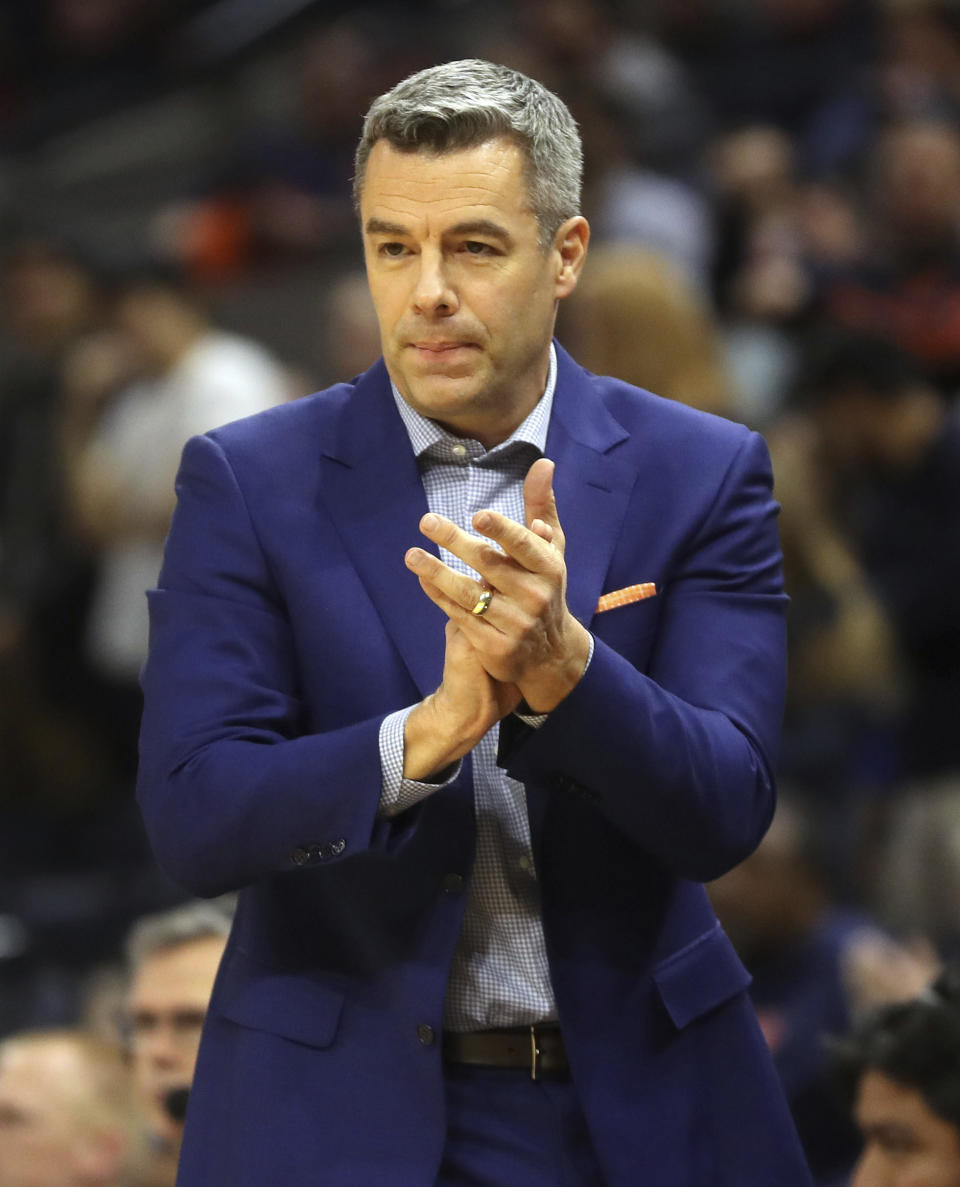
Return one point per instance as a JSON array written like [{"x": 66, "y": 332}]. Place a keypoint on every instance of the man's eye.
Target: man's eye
[
  {"x": 393, "y": 250},
  {"x": 475, "y": 248}
]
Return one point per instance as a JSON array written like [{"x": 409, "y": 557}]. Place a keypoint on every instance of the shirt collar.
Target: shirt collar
[{"x": 425, "y": 433}]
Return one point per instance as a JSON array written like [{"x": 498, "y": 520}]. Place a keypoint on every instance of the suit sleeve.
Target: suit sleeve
[
  {"x": 232, "y": 784},
  {"x": 680, "y": 757}
]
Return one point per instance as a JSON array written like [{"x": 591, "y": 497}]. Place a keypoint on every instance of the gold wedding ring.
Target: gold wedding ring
[{"x": 483, "y": 603}]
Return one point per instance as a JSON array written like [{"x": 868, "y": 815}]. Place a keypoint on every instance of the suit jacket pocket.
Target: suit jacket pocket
[
  {"x": 293, "y": 1005},
  {"x": 630, "y": 630},
  {"x": 700, "y": 976}
]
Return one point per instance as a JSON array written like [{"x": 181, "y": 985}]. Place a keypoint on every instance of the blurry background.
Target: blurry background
[{"x": 774, "y": 190}]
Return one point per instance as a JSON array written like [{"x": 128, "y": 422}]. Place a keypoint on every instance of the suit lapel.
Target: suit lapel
[
  {"x": 593, "y": 487},
  {"x": 592, "y": 484},
  {"x": 372, "y": 489}
]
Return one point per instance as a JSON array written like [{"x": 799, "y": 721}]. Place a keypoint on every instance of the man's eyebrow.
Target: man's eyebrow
[
  {"x": 482, "y": 226},
  {"x": 478, "y": 226},
  {"x": 380, "y": 226}
]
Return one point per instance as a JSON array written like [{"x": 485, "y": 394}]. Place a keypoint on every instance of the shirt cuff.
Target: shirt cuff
[
  {"x": 396, "y": 793},
  {"x": 535, "y": 720}
]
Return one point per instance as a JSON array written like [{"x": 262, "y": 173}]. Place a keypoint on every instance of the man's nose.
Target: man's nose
[
  {"x": 434, "y": 293},
  {"x": 160, "y": 1046}
]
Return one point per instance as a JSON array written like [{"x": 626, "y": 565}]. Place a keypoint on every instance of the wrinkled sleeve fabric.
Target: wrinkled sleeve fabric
[
  {"x": 232, "y": 785},
  {"x": 680, "y": 757}
]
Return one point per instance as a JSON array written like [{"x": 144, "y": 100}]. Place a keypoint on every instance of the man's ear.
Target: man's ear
[{"x": 570, "y": 248}]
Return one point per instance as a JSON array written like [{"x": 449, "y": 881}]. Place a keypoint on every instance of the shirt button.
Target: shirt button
[
  {"x": 426, "y": 1034},
  {"x": 452, "y": 883},
  {"x": 525, "y": 863},
  {"x": 459, "y": 452}
]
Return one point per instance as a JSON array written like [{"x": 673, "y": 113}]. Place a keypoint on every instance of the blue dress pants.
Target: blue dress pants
[{"x": 506, "y": 1130}]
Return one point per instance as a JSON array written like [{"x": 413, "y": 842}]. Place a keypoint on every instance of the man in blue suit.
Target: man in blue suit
[{"x": 469, "y": 788}]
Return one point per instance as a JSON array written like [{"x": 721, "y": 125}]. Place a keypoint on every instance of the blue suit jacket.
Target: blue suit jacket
[{"x": 286, "y": 627}]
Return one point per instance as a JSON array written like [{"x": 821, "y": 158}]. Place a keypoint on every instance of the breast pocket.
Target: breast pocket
[
  {"x": 630, "y": 630},
  {"x": 700, "y": 977}
]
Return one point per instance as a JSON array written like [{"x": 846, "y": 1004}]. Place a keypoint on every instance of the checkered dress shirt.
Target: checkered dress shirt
[{"x": 500, "y": 975}]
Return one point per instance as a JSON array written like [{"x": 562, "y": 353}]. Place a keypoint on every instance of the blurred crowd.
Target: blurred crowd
[{"x": 774, "y": 192}]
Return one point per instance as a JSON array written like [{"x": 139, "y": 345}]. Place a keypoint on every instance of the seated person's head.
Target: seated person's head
[
  {"x": 869, "y": 402},
  {"x": 67, "y": 1117},
  {"x": 901, "y": 1070},
  {"x": 173, "y": 960}
]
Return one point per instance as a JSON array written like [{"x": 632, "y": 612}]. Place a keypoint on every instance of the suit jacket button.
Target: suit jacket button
[
  {"x": 338, "y": 846},
  {"x": 426, "y": 1034},
  {"x": 452, "y": 883},
  {"x": 300, "y": 856}
]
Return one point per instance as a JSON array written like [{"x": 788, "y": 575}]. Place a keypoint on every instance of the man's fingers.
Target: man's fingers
[
  {"x": 453, "y": 609},
  {"x": 539, "y": 501},
  {"x": 538, "y": 491},
  {"x": 531, "y": 550},
  {"x": 483, "y": 634},
  {"x": 516, "y": 543},
  {"x": 463, "y": 591}
]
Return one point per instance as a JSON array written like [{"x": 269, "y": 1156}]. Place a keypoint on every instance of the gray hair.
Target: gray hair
[
  {"x": 463, "y": 104},
  {"x": 181, "y": 925}
]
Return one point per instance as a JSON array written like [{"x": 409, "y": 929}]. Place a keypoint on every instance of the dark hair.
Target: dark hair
[
  {"x": 837, "y": 360},
  {"x": 916, "y": 1043}
]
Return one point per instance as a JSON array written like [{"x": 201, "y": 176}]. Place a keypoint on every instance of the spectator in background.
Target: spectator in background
[
  {"x": 815, "y": 966},
  {"x": 885, "y": 449},
  {"x": 134, "y": 395},
  {"x": 50, "y": 295},
  {"x": 67, "y": 1117},
  {"x": 601, "y": 48},
  {"x": 630, "y": 203},
  {"x": 642, "y": 121},
  {"x": 906, "y": 284},
  {"x": 283, "y": 188},
  {"x": 900, "y": 1070},
  {"x": 796, "y": 64},
  {"x": 880, "y": 459},
  {"x": 919, "y": 69},
  {"x": 775, "y": 232},
  {"x": 173, "y": 959},
  {"x": 635, "y": 315},
  {"x": 846, "y": 685}
]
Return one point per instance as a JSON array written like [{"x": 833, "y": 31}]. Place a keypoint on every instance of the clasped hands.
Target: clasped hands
[{"x": 526, "y": 647}]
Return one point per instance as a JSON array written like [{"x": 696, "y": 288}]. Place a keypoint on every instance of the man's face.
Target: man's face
[
  {"x": 464, "y": 291},
  {"x": 42, "y": 1143},
  {"x": 906, "y": 1143},
  {"x": 166, "y": 1007}
]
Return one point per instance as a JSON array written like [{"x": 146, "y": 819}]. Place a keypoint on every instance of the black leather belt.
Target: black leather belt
[{"x": 537, "y": 1049}]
